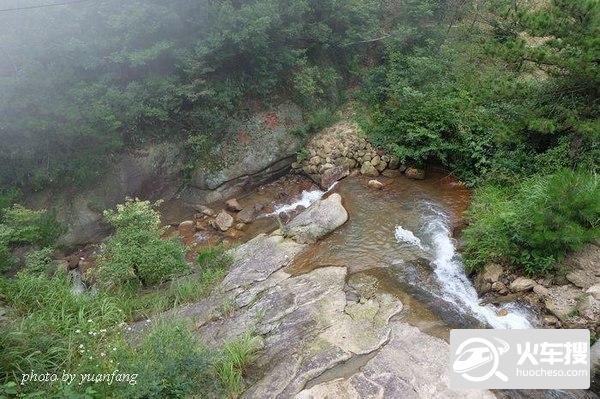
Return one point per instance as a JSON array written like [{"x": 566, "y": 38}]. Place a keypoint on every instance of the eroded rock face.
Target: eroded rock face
[{"x": 319, "y": 219}]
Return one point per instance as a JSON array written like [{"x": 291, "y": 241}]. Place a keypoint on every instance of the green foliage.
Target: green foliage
[
  {"x": 39, "y": 261},
  {"x": 49, "y": 329},
  {"x": 170, "y": 362},
  {"x": 135, "y": 254},
  {"x": 485, "y": 103},
  {"x": 25, "y": 226},
  {"x": 534, "y": 225}
]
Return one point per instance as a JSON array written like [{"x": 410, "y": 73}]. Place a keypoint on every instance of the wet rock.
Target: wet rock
[
  {"x": 187, "y": 228},
  {"x": 376, "y": 184},
  {"x": 233, "y": 205},
  {"x": 224, "y": 221},
  {"x": 332, "y": 175},
  {"x": 502, "y": 312},
  {"x": 368, "y": 169},
  {"x": 391, "y": 173},
  {"x": 522, "y": 284},
  {"x": 415, "y": 173},
  {"x": 246, "y": 215},
  {"x": 318, "y": 220}
]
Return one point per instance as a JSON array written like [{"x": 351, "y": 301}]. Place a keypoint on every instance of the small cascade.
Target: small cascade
[
  {"x": 307, "y": 198},
  {"x": 449, "y": 271}
]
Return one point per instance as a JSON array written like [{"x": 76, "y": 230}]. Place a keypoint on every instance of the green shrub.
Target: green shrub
[
  {"x": 39, "y": 261},
  {"x": 135, "y": 254},
  {"x": 534, "y": 225},
  {"x": 26, "y": 226}
]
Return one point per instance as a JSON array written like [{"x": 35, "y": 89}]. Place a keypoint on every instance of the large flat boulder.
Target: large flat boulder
[{"x": 319, "y": 219}]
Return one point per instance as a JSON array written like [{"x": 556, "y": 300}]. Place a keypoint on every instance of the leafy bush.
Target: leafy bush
[
  {"x": 135, "y": 254},
  {"x": 534, "y": 225},
  {"x": 26, "y": 226},
  {"x": 39, "y": 261}
]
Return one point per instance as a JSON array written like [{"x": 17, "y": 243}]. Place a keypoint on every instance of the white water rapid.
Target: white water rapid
[
  {"x": 449, "y": 270},
  {"x": 307, "y": 198}
]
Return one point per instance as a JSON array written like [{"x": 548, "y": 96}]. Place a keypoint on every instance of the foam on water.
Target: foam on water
[
  {"x": 455, "y": 285},
  {"x": 407, "y": 236},
  {"x": 307, "y": 198}
]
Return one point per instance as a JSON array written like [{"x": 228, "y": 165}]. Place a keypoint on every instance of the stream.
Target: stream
[{"x": 402, "y": 236}]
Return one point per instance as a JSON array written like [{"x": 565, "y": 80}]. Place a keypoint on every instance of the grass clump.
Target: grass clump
[
  {"x": 534, "y": 225},
  {"x": 234, "y": 358}
]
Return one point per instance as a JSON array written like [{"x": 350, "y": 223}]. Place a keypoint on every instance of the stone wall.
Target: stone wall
[{"x": 342, "y": 149}]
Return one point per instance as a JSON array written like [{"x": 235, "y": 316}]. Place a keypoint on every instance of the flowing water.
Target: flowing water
[{"x": 402, "y": 235}]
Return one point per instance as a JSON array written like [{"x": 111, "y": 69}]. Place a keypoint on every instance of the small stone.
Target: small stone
[
  {"x": 375, "y": 160},
  {"x": 224, "y": 221},
  {"x": 246, "y": 215},
  {"x": 368, "y": 169},
  {"x": 415, "y": 173},
  {"x": 376, "y": 184},
  {"x": 522, "y": 284},
  {"x": 240, "y": 226},
  {"x": 205, "y": 210},
  {"x": 502, "y": 312},
  {"x": 187, "y": 228},
  {"x": 550, "y": 320},
  {"x": 381, "y": 166},
  {"x": 316, "y": 160},
  {"x": 233, "y": 205},
  {"x": 491, "y": 272}
]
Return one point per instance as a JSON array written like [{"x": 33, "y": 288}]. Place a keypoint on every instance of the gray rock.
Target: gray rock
[
  {"x": 375, "y": 160},
  {"x": 522, "y": 284},
  {"x": 595, "y": 356},
  {"x": 541, "y": 290},
  {"x": 319, "y": 219},
  {"x": 394, "y": 162},
  {"x": 204, "y": 210},
  {"x": 224, "y": 220},
  {"x": 246, "y": 215},
  {"x": 561, "y": 301}
]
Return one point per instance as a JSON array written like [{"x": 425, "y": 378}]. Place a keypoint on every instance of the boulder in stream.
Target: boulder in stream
[
  {"x": 224, "y": 221},
  {"x": 319, "y": 219}
]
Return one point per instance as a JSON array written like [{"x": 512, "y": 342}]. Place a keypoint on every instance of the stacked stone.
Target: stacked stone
[{"x": 342, "y": 146}]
